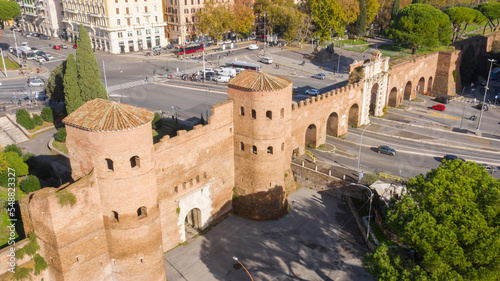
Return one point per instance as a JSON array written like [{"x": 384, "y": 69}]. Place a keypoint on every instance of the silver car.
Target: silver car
[
  {"x": 35, "y": 82},
  {"x": 312, "y": 92},
  {"x": 320, "y": 76}
]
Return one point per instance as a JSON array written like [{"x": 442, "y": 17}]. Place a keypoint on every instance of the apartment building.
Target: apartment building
[
  {"x": 117, "y": 26},
  {"x": 41, "y": 16}
]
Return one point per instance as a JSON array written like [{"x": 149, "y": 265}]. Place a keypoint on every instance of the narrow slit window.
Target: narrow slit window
[
  {"x": 142, "y": 212},
  {"x": 135, "y": 162},
  {"x": 269, "y": 115},
  {"x": 109, "y": 164},
  {"x": 254, "y": 114},
  {"x": 270, "y": 150},
  {"x": 242, "y": 146},
  {"x": 282, "y": 112},
  {"x": 242, "y": 111},
  {"x": 254, "y": 149},
  {"x": 114, "y": 216}
]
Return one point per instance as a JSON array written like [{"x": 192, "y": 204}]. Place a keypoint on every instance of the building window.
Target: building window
[
  {"x": 270, "y": 150},
  {"x": 242, "y": 146},
  {"x": 117, "y": 11},
  {"x": 185, "y": 2},
  {"x": 135, "y": 162},
  {"x": 197, "y": 179},
  {"x": 118, "y": 22},
  {"x": 254, "y": 149},
  {"x": 155, "y": 9},
  {"x": 120, "y": 34},
  {"x": 148, "y": 31},
  {"x": 109, "y": 164},
  {"x": 129, "y": 33},
  {"x": 192, "y": 2},
  {"x": 282, "y": 112},
  {"x": 269, "y": 114},
  {"x": 139, "y": 32},
  {"x": 127, "y": 11},
  {"x": 146, "y": 19},
  {"x": 116, "y": 1},
  {"x": 136, "y": 9},
  {"x": 254, "y": 114},
  {"x": 146, "y": 9},
  {"x": 176, "y": 189},
  {"x": 138, "y": 20},
  {"x": 242, "y": 111},
  {"x": 193, "y": 11},
  {"x": 114, "y": 216},
  {"x": 157, "y": 30},
  {"x": 142, "y": 212},
  {"x": 128, "y": 21}
]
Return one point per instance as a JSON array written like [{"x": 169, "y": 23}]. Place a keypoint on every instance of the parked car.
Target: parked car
[
  {"x": 156, "y": 48},
  {"x": 210, "y": 76},
  {"x": 25, "y": 44},
  {"x": 44, "y": 37},
  {"x": 295, "y": 89},
  {"x": 452, "y": 157},
  {"x": 484, "y": 106},
  {"x": 312, "y": 92},
  {"x": 41, "y": 53},
  {"x": 64, "y": 46},
  {"x": 320, "y": 76},
  {"x": 34, "y": 82},
  {"x": 488, "y": 168},
  {"x": 35, "y": 34},
  {"x": 11, "y": 50},
  {"x": 40, "y": 59},
  {"x": 48, "y": 57},
  {"x": 27, "y": 34},
  {"x": 56, "y": 47},
  {"x": 168, "y": 47},
  {"x": 384, "y": 149},
  {"x": 253, "y": 47},
  {"x": 439, "y": 107},
  {"x": 441, "y": 99},
  {"x": 34, "y": 50},
  {"x": 223, "y": 79}
]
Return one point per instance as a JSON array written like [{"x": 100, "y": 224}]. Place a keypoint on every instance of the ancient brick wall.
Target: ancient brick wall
[
  {"x": 195, "y": 170},
  {"x": 330, "y": 113}
]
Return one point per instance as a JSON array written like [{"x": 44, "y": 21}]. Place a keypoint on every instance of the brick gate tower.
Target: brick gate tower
[
  {"x": 262, "y": 128},
  {"x": 114, "y": 141}
]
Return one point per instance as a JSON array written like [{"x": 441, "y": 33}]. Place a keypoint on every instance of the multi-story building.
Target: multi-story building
[
  {"x": 117, "y": 26},
  {"x": 41, "y": 16}
]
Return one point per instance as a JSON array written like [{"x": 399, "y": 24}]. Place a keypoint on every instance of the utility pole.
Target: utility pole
[
  {"x": 3, "y": 60},
  {"x": 105, "y": 79},
  {"x": 484, "y": 97},
  {"x": 17, "y": 51},
  {"x": 359, "y": 154}
]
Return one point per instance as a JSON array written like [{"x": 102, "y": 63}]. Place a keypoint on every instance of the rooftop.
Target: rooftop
[
  {"x": 101, "y": 115},
  {"x": 258, "y": 81}
]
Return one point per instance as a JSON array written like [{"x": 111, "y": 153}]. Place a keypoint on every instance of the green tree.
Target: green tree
[
  {"x": 8, "y": 10},
  {"x": 16, "y": 162},
  {"x": 72, "y": 94},
  {"x": 13, "y": 148},
  {"x": 362, "y": 21},
  {"x": 89, "y": 75},
  {"x": 395, "y": 8},
  {"x": 450, "y": 219},
  {"x": 328, "y": 17},
  {"x": 243, "y": 18},
  {"x": 54, "y": 86},
  {"x": 491, "y": 10},
  {"x": 30, "y": 184},
  {"x": 37, "y": 120},
  {"x": 419, "y": 25},
  {"x": 372, "y": 8},
  {"x": 214, "y": 19},
  {"x": 463, "y": 15},
  {"x": 47, "y": 114},
  {"x": 61, "y": 135}
]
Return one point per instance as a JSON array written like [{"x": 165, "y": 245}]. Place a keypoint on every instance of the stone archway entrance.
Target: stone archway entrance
[
  {"x": 393, "y": 97},
  {"x": 421, "y": 85},
  {"x": 429, "y": 85},
  {"x": 192, "y": 222},
  {"x": 373, "y": 99},
  {"x": 407, "y": 95},
  {"x": 353, "y": 116},
  {"x": 332, "y": 125},
  {"x": 311, "y": 136}
]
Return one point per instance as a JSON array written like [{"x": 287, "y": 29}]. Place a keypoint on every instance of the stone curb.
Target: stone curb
[{"x": 52, "y": 148}]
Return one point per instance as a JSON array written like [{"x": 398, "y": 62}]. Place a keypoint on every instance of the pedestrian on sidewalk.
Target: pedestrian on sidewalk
[{"x": 146, "y": 78}]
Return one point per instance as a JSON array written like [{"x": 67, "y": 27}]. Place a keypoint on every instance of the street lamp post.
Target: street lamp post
[
  {"x": 369, "y": 212},
  {"x": 484, "y": 97},
  {"x": 121, "y": 85},
  {"x": 236, "y": 259},
  {"x": 359, "y": 154}
]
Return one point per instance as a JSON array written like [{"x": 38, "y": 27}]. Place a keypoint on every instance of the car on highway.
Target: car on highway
[
  {"x": 484, "y": 106},
  {"x": 312, "y": 92},
  {"x": 384, "y": 149},
  {"x": 253, "y": 47},
  {"x": 320, "y": 76},
  {"x": 56, "y": 47},
  {"x": 34, "y": 82},
  {"x": 439, "y": 107},
  {"x": 488, "y": 168}
]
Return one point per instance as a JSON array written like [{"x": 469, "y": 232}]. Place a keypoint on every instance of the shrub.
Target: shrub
[
  {"x": 14, "y": 148},
  {"x": 37, "y": 120},
  {"x": 47, "y": 114},
  {"x": 40, "y": 264},
  {"x": 24, "y": 119},
  {"x": 30, "y": 159},
  {"x": 16, "y": 162},
  {"x": 30, "y": 184},
  {"x": 61, "y": 135},
  {"x": 4, "y": 179},
  {"x": 156, "y": 123},
  {"x": 66, "y": 198},
  {"x": 371, "y": 178}
]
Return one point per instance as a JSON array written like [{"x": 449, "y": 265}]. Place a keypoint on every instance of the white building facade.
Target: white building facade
[
  {"x": 117, "y": 26},
  {"x": 41, "y": 16}
]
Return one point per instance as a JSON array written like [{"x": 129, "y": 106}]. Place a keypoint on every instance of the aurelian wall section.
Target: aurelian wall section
[
  {"x": 195, "y": 175},
  {"x": 330, "y": 113},
  {"x": 72, "y": 238}
]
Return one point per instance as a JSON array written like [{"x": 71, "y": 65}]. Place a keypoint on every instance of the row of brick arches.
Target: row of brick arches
[{"x": 409, "y": 91}]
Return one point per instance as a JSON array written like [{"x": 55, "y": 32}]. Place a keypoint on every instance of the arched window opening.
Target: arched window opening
[
  {"x": 254, "y": 114},
  {"x": 135, "y": 162},
  {"x": 114, "y": 216},
  {"x": 282, "y": 112},
  {"x": 176, "y": 189},
  {"x": 242, "y": 146},
  {"x": 269, "y": 115},
  {"x": 242, "y": 111},
  {"x": 270, "y": 150},
  {"x": 254, "y": 149},
  {"x": 109, "y": 164},
  {"x": 142, "y": 212},
  {"x": 197, "y": 179}
]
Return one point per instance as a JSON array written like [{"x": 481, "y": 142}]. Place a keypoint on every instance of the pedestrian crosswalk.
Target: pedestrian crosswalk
[{"x": 119, "y": 87}]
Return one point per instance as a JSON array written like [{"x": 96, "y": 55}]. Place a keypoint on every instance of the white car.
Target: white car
[
  {"x": 253, "y": 47},
  {"x": 209, "y": 69},
  {"x": 49, "y": 57},
  {"x": 223, "y": 79},
  {"x": 25, "y": 44},
  {"x": 312, "y": 92},
  {"x": 35, "y": 83},
  {"x": 34, "y": 50},
  {"x": 40, "y": 59}
]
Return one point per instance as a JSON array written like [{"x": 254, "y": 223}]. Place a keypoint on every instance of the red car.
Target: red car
[
  {"x": 439, "y": 107},
  {"x": 56, "y": 47}
]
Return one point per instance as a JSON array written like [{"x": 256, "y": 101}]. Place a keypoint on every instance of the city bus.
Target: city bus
[
  {"x": 180, "y": 50},
  {"x": 243, "y": 65}
]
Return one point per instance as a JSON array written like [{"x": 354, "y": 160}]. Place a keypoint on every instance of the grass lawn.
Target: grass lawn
[
  {"x": 472, "y": 27},
  {"x": 358, "y": 49},
  {"x": 10, "y": 64},
  {"x": 61, "y": 146},
  {"x": 45, "y": 124}
]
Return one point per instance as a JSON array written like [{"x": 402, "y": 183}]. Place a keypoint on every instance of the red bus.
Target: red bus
[{"x": 180, "y": 50}]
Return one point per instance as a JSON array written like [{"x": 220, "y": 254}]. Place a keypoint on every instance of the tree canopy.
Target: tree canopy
[
  {"x": 328, "y": 17},
  {"x": 214, "y": 20},
  {"x": 54, "y": 86},
  {"x": 463, "y": 15},
  {"x": 72, "y": 98},
  {"x": 420, "y": 25},
  {"x": 491, "y": 10},
  {"x": 450, "y": 219},
  {"x": 9, "y": 10}
]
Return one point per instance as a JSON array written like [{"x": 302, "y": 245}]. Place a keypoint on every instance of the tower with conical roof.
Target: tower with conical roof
[
  {"x": 114, "y": 141},
  {"x": 262, "y": 129}
]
